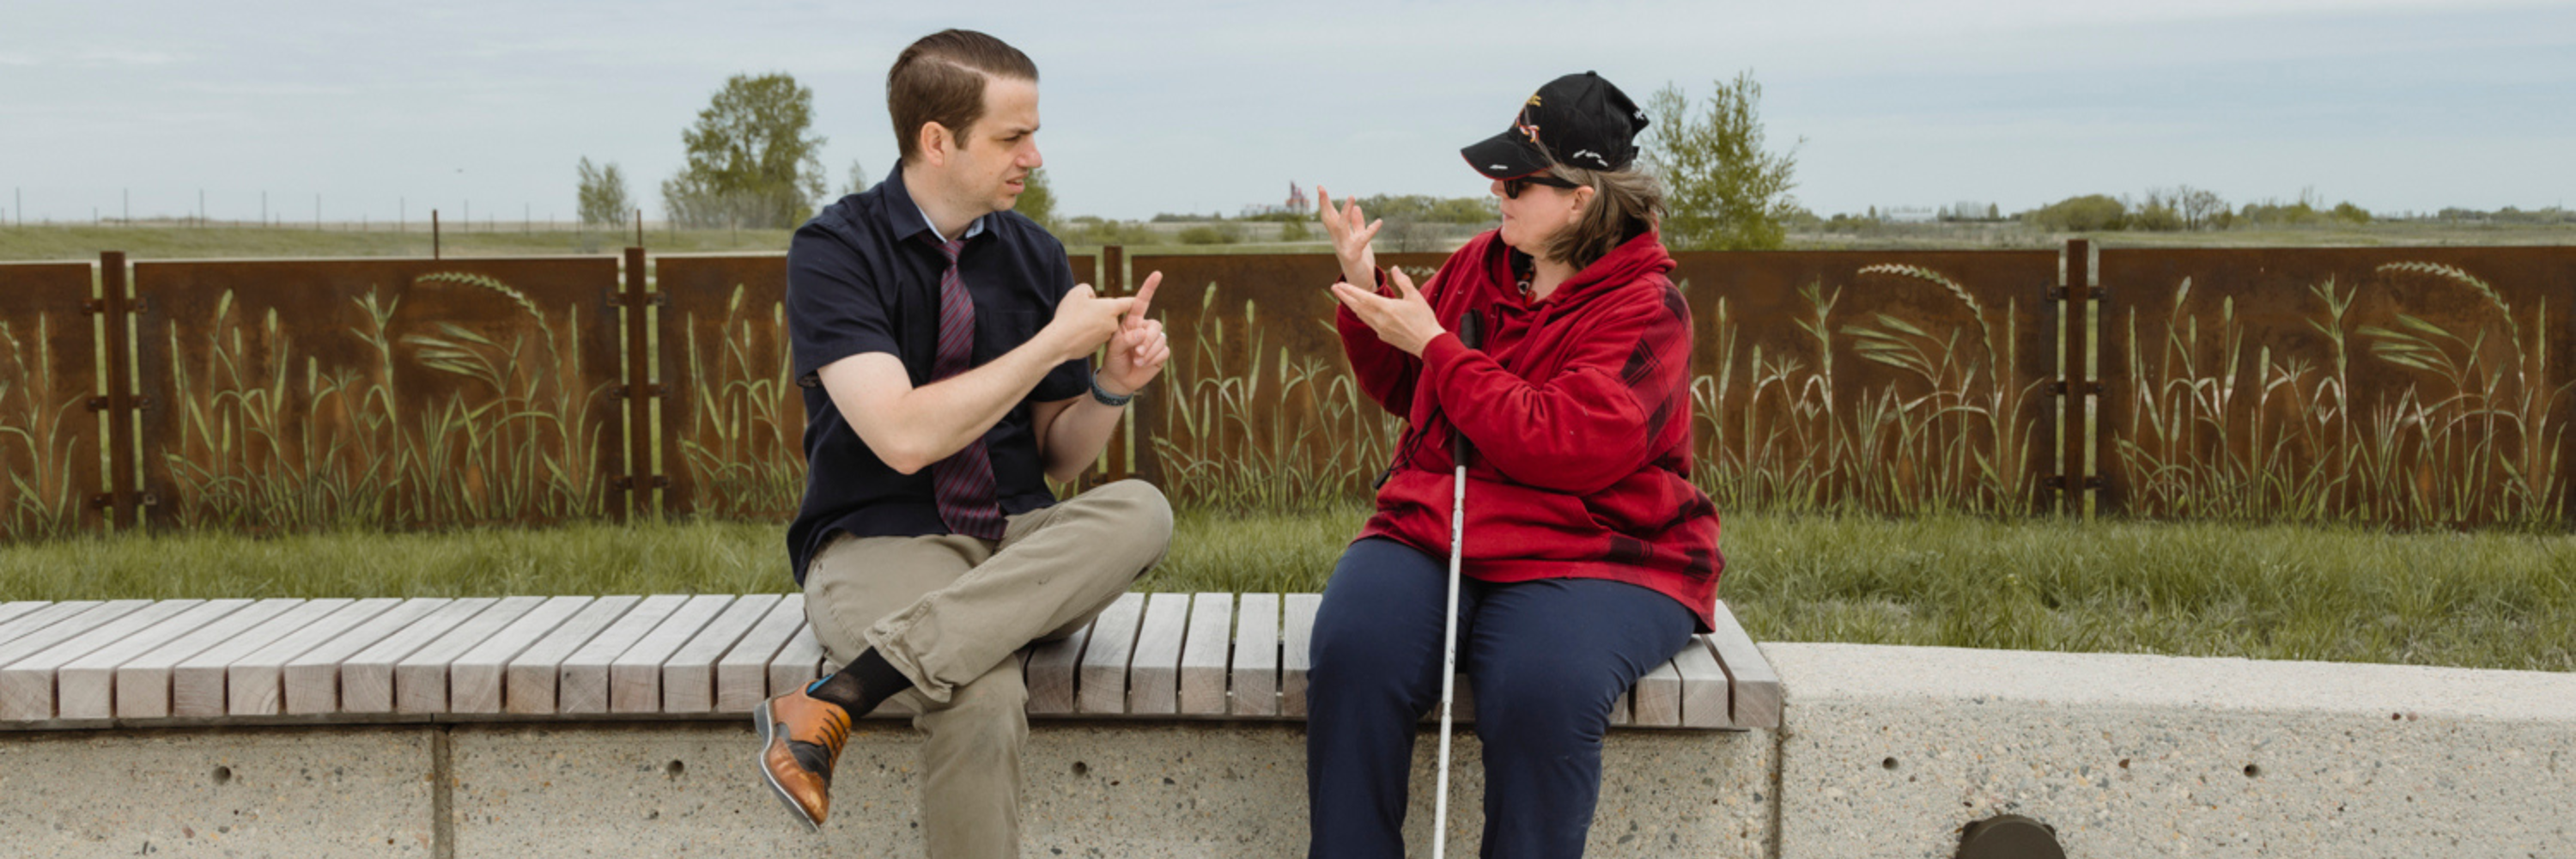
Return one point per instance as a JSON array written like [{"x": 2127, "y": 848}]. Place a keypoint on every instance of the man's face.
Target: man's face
[{"x": 990, "y": 166}]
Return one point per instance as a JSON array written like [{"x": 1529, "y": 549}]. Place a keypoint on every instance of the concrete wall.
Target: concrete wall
[{"x": 1885, "y": 752}]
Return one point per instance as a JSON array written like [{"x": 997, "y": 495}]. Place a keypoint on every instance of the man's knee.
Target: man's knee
[{"x": 1137, "y": 504}]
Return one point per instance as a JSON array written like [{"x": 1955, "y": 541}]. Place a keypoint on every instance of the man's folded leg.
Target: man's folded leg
[{"x": 1055, "y": 569}]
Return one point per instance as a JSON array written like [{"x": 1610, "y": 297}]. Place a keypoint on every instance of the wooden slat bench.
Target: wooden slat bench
[{"x": 137, "y": 663}]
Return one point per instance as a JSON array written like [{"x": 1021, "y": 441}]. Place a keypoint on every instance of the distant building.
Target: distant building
[
  {"x": 1909, "y": 215},
  {"x": 1297, "y": 204}
]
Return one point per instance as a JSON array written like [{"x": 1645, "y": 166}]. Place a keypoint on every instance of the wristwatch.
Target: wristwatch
[{"x": 1104, "y": 397}]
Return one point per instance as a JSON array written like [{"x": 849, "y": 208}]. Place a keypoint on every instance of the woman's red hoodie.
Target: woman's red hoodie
[{"x": 1579, "y": 409}]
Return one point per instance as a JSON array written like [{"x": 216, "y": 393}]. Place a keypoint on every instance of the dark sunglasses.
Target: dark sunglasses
[{"x": 1512, "y": 188}]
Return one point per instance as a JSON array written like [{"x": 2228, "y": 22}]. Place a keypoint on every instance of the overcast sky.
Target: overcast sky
[{"x": 1206, "y": 105}]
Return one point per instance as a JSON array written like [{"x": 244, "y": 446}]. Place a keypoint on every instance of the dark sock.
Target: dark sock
[{"x": 861, "y": 685}]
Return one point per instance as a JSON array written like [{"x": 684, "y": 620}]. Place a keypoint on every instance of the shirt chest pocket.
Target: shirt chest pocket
[{"x": 1000, "y": 331}]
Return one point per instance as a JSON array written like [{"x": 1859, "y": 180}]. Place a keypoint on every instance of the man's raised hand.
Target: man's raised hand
[
  {"x": 1140, "y": 349},
  {"x": 1350, "y": 238},
  {"x": 1083, "y": 321}
]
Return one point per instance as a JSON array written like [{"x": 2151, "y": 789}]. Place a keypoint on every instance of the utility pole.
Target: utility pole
[
  {"x": 129, "y": 207},
  {"x": 263, "y": 210},
  {"x": 402, "y": 214}
]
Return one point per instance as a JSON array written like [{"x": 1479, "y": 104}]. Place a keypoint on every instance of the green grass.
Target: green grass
[{"x": 2480, "y": 600}]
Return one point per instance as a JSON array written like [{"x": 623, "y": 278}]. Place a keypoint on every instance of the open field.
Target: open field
[
  {"x": 2484, "y": 600},
  {"x": 57, "y": 242}
]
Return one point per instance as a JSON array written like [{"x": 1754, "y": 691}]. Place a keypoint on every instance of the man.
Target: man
[{"x": 942, "y": 346}]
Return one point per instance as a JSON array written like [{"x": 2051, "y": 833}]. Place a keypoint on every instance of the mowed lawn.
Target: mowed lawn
[{"x": 2483, "y": 600}]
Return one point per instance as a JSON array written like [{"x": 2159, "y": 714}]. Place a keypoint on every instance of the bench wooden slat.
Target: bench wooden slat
[
  {"x": 1704, "y": 687},
  {"x": 199, "y": 685},
  {"x": 1103, "y": 684},
  {"x": 11, "y": 610},
  {"x": 1659, "y": 697},
  {"x": 312, "y": 678},
  {"x": 85, "y": 688},
  {"x": 475, "y": 678},
  {"x": 1620, "y": 711},
  {"x": 420, "y": 678},
  {"x": 246, "y": 674},
  {"x": 635, "y": 677},
  {"x": 1051, "y": 669},
  {"x": 798, "y": 664},
  {"x": 1754, "y": 697},
  {"x": 582, "y": 678},
  {"x": 1256, "y": 657},
  {"x": 367, "y": 679},
  {"x": 1153, "y": 683},
  {"x": 689, "y": 676},
  {"x": 141, "y": 685},
  {"x": 44, "y": 615},
  {"x": 742, "y": 676},
  {"x": 94, "y": 616},
  {"x": 528, "y": 682},
  {"x": 1204, "y": 651},
  {"x": 27, "y": 684},
  {"x": 1296, "y": 636}
]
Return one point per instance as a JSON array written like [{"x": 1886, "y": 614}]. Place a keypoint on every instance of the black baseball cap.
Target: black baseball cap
[{"x": 1579, "y": 120}]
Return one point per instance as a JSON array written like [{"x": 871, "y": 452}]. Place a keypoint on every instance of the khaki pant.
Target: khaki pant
[{"x": 952, "y": 613}]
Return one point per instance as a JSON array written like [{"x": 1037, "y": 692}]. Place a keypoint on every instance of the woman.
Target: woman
[{"x": 1589, "y": 557}]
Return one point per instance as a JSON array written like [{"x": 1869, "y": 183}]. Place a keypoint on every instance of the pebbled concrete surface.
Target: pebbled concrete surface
[
  {"x": 1096, "y": 789},
  {"x": 246, "y": 792},
  {"x": 1887, "y": 751}
]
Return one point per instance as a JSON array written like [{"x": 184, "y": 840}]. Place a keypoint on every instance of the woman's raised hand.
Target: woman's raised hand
[{"x": 1350, "y": 239}]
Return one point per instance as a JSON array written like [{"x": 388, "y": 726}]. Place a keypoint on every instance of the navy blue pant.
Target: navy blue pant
[{"x": 1546, "y": 658}]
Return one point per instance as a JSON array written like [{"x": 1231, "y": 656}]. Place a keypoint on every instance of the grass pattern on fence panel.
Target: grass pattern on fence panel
[
  {"x": 1943, "y": 411},
  {"x": 1263, "y": 425},
  {"x": 411, "y": 419},
  {"x": 2444, "y": 408},
  {"x": 49, "y": 437},
  {"x": 746, "y": 413},
  {"x": 38, "y": 437}
]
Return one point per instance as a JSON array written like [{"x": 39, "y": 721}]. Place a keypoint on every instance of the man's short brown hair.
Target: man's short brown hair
[{"x": 941, "y": 79}]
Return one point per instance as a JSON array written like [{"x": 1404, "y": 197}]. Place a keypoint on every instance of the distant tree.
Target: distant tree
[
  {"x": 2349, "y": 213},
  {"x": 858, "y": 179},
  {"x": 1724, "y": 190},
  {"x": 2085, "y": 214},
  {"x": 752, "y": 159},
  {"x": 603, "y": 194},
  {"x": 1994, "y": 212},
  {"x": 1038, "y": 200}
]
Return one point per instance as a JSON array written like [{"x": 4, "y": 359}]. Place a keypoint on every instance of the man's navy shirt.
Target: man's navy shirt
[{"x": 863, "y": 276}]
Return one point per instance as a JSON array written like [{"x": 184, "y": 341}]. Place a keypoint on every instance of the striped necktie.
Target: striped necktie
[{"x": 963, "y": 481}]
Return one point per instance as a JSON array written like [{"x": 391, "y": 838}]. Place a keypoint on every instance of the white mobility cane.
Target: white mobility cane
[{"x": 1470, "y": 334}]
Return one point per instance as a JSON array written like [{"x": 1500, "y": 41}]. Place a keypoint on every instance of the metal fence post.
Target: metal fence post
[
  {"x": 116, "y": 305},
  {"x": 2077, "y": 370}
]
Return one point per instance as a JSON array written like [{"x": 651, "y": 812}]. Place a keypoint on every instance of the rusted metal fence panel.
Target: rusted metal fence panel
[
  {"x": 1888, "y": 381},
  {"x": 2401, "y": 386},
  {"x": 393, "y": 393},
  {"x": 49, "y": 405},
  {"x": 733, "y": 418},
  {"x": 1258, "y": 409}
]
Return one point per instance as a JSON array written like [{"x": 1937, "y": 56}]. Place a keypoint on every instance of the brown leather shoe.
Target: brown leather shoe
[{"x": 800, "y": 739}]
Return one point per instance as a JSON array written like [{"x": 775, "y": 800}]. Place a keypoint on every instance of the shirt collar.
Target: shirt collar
[{"x": 902, "y": 199}]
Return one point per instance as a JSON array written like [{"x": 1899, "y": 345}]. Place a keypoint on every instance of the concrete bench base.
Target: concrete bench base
[
  {"x": 1884, "y": 752},
  {"x": 1095, "y": 789}
]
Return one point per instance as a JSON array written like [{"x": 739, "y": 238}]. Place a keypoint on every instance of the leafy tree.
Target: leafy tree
[
  {"x": 753, "y": 160},
  {"x": 858, "y": 179},
  {"x": 603, "y": 194},
  {"x": 1725, "y": 192},
  {"x": 2088, "y": 213},
  {"x": 2349, "y": 213}
]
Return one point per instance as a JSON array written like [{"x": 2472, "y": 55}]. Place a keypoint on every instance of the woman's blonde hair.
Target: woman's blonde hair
[{"x": 1625, "y": 204}]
